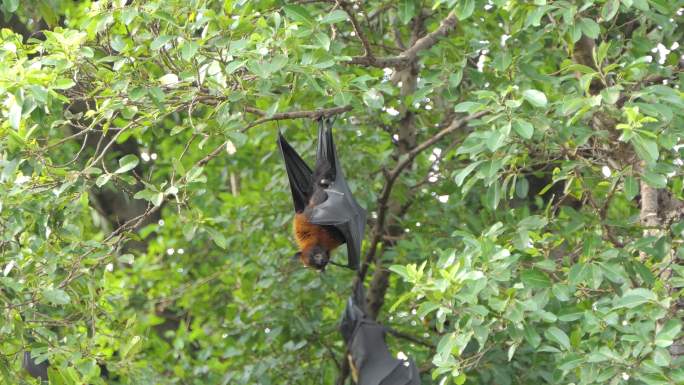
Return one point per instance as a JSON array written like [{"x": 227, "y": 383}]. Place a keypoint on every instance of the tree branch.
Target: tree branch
[
  {"x": 410, "y": 54},
  {"x": 392, "y": 176},
  {"x": 409, "y": 337},
  {"x": 312, "y": 114}
]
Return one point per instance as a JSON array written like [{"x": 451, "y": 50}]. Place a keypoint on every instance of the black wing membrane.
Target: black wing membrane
[
  {"x": 365, "y": 340},
  {"x": 340, "y": 209},
  {"x": 298, "y": 173}
]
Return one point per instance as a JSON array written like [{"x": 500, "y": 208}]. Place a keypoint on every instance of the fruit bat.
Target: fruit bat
[
  {"x": 326, "y": 213},
  {"x": 369, "y": 358}
]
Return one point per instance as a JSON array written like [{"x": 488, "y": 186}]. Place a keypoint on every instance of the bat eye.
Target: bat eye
[{"x": 324, "y": 182}]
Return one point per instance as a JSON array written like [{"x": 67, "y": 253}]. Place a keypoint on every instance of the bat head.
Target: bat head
[{"x": 316, "y": 257}]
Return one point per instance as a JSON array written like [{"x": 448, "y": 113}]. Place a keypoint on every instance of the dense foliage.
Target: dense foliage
[{"x": 521, "y": 161}]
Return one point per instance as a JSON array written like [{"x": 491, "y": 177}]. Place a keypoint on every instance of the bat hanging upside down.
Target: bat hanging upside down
[{"x": 326, "y": 213}]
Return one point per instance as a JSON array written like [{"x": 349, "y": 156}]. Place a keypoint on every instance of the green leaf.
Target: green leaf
[
  {"x": 399, "y": 269},
  {"x": 667, "y": 335},
  {"x": 610, "y": 9},
  {"x": 129, "y": 346},
  {"x": 323, "y": 40},
  {"x": 534, "y": 278},
  {"x": 342, "y": 99},
  {"x": 188, "y": 50},
  {"x": 523, "y": 128},
  {"x": 218, "y": 238},
  {"x": 661, "y": 357},
  {"x": 469, "y": 107},
  {"x": 635, "y": 297},
  {"x": 426, "y": 308},
  {"x": 10, "y": 5},
  {"x": 127, "y": 163},
  {"x": 571, "y": 361},
  {"x": 299, "y": 13},
  {"x": 56, "y": 296},
  {"x": 63, "y": 84},
  {"x": 535, "y": 98},
  {"x": 195, "y": 175},
  {"x": 641, "y": 5},
  {"x": 103, "y": 179},
  {"x": 160, "y": 41},
  {"x": 14, "y": 113},
  {"x": 522, "y": 187},
  {"x": 646, "y": 148},
  {"x": 464, "y": 8},
  {"x": 374, "y": 99},
  {"x": 631, "y": 187},
  {"x": 532, "y": 336},
  {"x": 493, "y": 195},
  {"x": 335, "y": 16},
  {"x": 558, "y": 336},
  {"x": 406, "y": 10},
  {"x": 654, "y": 179},
  {"x": 460, "y": 177},
  {"x": 589, "y": 27},
  {"x": 88, "y": 367},
  {"x": 137, "y": 93}
]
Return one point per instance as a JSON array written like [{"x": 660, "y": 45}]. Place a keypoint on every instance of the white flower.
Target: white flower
[
  {"x": 153, "y": 156},
  {"x": 145, "y": 157},
  {"x": 625, "y": 376},
  {"x": 662, "y": 52},
  {"x": 161, "y": 222},
  {"x": 605, "y": 170},
  {"x": 181, "y": 251},
  {"x": 8, "y": 268},
  {"x": 109, "y": 267},
  {"x": 168, "y": 79},
  {"x": 481, "y": 62},
  {"x": 392, "y": 112},
  {"x": 170, "y": 251},
  {"x": 443, "y": 198},
  {"x": 230, "y": 148}
]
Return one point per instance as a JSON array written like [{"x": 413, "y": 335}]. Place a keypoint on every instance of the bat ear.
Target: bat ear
[{"x": 297, "y": 256}]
